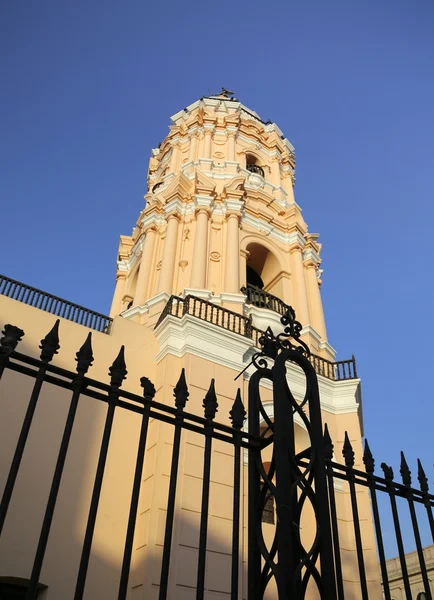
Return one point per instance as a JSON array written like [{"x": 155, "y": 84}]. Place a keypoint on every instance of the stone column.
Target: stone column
[
  {"x": 165, "y": 282},
  {"x": 231, "y": 145},
  {"x": 316, "y": 309},
  {"x": 145, "y": 268},
  {"x": 275, "y": 171},
  {"x": 174, "y": 161},
  {"x": 287, "y": 185},
  {"x": 118, "y": 295},
  {"x": 207, "y": 143},
  {"x": 200, "y": 252},
  {"x": 244, "y": 256},
  {"x": 192, "y": 153},
  {"x": 302, "y": 303},
  {"x": 232, "y": 271}
]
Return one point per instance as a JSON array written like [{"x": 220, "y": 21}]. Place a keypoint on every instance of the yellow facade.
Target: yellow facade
[{"x": 220, "y": 205}]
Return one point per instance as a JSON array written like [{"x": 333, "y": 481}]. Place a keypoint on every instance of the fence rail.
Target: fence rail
[
  {"x": 302, "y": 563},
  {"x": 232, "y": 321},
  {"x": 54, "y": 305}
]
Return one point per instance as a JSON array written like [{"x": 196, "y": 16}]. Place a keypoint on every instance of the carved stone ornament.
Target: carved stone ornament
[
  {"x": 218, "y": 155},
  {"x": 215, "y": 256},
  {"x": 159, "y": 265}
]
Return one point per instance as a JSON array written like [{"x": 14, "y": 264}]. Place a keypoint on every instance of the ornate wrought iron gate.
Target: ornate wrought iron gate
[{"x": 297, "y": 481}]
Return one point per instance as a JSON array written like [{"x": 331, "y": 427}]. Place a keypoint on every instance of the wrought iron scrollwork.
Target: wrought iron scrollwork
[{"x": 295, "y": 480}]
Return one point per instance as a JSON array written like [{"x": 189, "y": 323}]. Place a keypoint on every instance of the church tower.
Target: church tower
[
  {"x": 221, "y": 224},
  {"x": 218, "y": 254}
]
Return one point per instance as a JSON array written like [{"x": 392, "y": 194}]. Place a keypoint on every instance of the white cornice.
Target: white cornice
[
  {"x": 261, "y": 225},
  {"x": 125, "y": 265},
  {"x": 191, "y": 335}
]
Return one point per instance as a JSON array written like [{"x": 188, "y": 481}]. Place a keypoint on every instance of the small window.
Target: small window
[
  {"x": 129, "y": 304},
  {"x": 268, "y": 512},
  {"x": 421, "y": 596}
]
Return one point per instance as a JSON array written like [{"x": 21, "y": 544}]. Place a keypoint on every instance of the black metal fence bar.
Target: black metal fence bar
[
  {"x": 149, "y": 393},
  {"x": 54, "y": 305},
  {"x": 181, "y": 396},
  {"x": 118, "y": 372},
  {"x": 368, "y": 459},
  {"x": 210, "y": 405}
]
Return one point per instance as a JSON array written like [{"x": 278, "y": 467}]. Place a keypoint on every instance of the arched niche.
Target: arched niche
[{"x": 263, "y": 269}]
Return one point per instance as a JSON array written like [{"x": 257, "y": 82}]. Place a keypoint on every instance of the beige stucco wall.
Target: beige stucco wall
[{"x": 142, "y": 346}]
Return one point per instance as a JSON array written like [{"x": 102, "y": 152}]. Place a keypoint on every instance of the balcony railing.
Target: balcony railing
[
  {"x": 207, "y": 311},
  {"x": 263, "y": 299},
  {"x": 232, "y": 321},
  {"x": 256, "y": 169},
  {"x": 54, "y": 305}
]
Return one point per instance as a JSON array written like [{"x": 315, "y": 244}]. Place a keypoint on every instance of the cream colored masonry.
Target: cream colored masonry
[{"x": 217, "y": 345}]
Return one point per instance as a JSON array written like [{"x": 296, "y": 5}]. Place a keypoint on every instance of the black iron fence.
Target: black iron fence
[
  {"x": 282, "y": 561},
  {"x": 54, "y": 305},
  {"x": 81, "y": 386}
]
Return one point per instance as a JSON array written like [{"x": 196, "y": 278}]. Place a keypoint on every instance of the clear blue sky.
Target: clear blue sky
[{"x": 88, "y": 88}]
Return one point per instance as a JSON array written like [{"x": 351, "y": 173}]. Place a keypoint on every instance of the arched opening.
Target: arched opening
[
  {"x": 252, "y": 165},
  {"x": 253, "y": 278},
  {"x": 263, "y": 270}
]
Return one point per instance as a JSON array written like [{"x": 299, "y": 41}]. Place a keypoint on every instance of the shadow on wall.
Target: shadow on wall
[
  {"x": 19, "y": 540},
  {"x": 22, "y": 527}
]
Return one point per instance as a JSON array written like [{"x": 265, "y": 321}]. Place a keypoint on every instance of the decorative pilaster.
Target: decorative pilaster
[
  {"x": 231, "y": 145},
  {"x": 302, "y": 303},
  {"x": 145, "y": 269},
  {"x": 174, "y": 161},
  {"x": 275, "y": 171},
  {"x": 315, "y": 302},
  {"x": 165, "y": 282},
  {"x": 200, "y": 252},
  {"x": 207, "y": 142},
  {"x": 116, "y": 306},
  {"x": 192, "y": 153},
  {"x": 232, "y": 270}
]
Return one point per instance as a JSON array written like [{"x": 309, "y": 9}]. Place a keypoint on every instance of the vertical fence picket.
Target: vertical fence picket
[
  {"x": 149, "y": 393},
  {"x": 369, "y": 462},
  {"x": 49, "y": 347},
  {"x": 12, "y": 335},
  {"x": 238, "y": 415},
  {"x": 84, "y": 360},
  {"x": 388, "y": 476},
  {"x": 118, "y": 373},
  {"x": 348, "y": 454},
  {"x": 210, "y": 405},
  {"x": 328, "y": 451},
  {"x": 424, "y": 488},
  {"x": 406, "y": 480},
  {"x": 181, "y": 394}
]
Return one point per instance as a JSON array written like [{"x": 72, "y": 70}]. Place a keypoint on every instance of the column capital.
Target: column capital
[
  {"x": 295, "y": 247},
  {"x": 233, "y": 213},
  {"x": 151, "y": 228},
  {"x": 245, "y": 253},
  {"x": 310, "y": 264},
  {"x": 174, "y": 214},
  {"x": 206, "y": 210}
]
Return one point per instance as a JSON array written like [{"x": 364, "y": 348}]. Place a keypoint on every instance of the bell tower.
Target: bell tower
[{"x": 221, "y": 223}]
